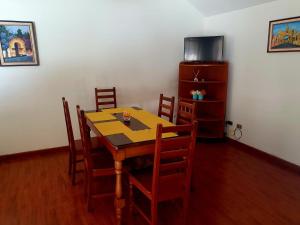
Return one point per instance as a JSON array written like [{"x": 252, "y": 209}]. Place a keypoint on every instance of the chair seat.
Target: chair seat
[
  {"x": 170, "y": 186},
  {"x": 96, "y": 146},
  {"x": 102, "y": 164}
]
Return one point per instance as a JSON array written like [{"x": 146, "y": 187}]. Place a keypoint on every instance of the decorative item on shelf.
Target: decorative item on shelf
[
  {"x": 196, "y": 75},
  {"x": 202, "y": 80},
  {"x": 126, "y": 117},
  {"x": 198, "y": 95},
  {"x": 194, "y": 94},
  {"x": 201, "y": 94}
]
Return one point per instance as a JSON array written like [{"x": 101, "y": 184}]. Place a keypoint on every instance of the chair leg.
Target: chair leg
[
  {"x": 70, "y": 163},
  {"x": 130, "y": 204},
  {"x": 74, "y": 170},
  {"x": 85, "y": 182},
  {"x": 185, "y": 210},
  {"x": 89, "y": 193},
  {"x": 192, "y": 185},
  {"x": 153, "y": 213}
]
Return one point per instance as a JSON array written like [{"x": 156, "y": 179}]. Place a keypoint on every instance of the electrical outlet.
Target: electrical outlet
[
  {"x": 230, "y": 131},
  {"x": 239, "y": 126}
]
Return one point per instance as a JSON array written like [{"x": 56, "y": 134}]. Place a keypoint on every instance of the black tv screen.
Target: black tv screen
[{"x": 204, "y": 48}]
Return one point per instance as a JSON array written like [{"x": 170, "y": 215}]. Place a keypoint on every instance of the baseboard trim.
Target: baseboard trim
[
  {"x": 265, "y": 156},
  {"x": 242, "y": 147},
  {"x": 29, "y": 154}
]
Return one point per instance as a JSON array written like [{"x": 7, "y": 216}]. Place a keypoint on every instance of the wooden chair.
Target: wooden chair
[
  {"x": 95, "y": 165},
  {"x": 164, "y": 109},
  {"x": 186, "y": 113},
  {"x": 105, "y": 97},
  {"x": 171, "y": 175},
  {"x": 75, "y": 146}
]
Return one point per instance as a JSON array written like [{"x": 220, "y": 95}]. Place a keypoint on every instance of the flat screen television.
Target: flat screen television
[{"x": 205, "y": 49}]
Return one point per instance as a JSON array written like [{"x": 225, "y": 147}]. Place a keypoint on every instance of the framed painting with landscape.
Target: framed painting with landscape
[
  {"x": 18, "y": 45},
  {"x": 284, "y": 35}
]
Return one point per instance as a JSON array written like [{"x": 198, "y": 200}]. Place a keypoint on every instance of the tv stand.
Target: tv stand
[{"x": 202, "y": 62}]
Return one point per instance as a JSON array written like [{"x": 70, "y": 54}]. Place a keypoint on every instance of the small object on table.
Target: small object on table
[
  {"x": 202, "y": 80},
  {"x": 126, "y": 116}
]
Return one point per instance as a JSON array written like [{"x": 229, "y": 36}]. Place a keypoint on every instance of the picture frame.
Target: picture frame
[
  {"x": 18, "y": 44},
  {"x": 284, "y": 35}
]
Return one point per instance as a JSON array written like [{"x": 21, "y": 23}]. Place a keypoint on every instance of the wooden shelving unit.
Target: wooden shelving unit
[
  {"x": 203, "y": 82},
  {"x": 211, "y": 110}
]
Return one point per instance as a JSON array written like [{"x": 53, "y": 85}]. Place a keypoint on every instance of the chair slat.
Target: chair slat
[
  {"x": 182, "y": 121},
  {"x": 106, "y": 103},
  {"x": 186, "y": 115},
  {"x": 175, "y": 143},
  {"x": 105, "y": 96},
  {"x": 174, "y": 153},
  {"x": 105, "y": 90},
  {"x": 164, "y": 114},
  {"x": 167, "y": 98},
  {"x": 166, "y": 106},
  {"x": 172, "y": 166},
  {"x": 180, "y": 128}
]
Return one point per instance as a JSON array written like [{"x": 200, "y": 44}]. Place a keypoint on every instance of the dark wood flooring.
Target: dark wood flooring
[{"x": 231, "y": 187}]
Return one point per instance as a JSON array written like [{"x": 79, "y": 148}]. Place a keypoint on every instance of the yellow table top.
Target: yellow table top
[{"x": 142, "y": 126}]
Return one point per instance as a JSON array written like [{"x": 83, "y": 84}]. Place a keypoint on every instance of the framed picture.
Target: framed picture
[
  {"x": 284, "y": 35},
  {"x": 18, "y": 45}
]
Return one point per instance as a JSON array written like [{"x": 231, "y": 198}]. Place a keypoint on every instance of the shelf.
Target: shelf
[
  {"x": 203, "y": 64},
  {"x": 203, "y": 101},
  {"x": 210, "y": 134},
  {"x": 202, "y": 82},
  {"x": 209, "y": 119}
]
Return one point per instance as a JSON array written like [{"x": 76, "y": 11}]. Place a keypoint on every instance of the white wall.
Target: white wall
[
  {"x": 134, "y": 45},
  {"x": 264, "y": 88}
]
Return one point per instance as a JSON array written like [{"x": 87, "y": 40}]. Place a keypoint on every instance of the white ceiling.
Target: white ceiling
[{"x": 212, "y": 7}]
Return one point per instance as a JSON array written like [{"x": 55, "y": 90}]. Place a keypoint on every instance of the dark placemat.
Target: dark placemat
[
  {"x": 105, "y": 121},
  {"x": 133, "y": 124},
  {"x": 90, "y": 111},
  {"x": 136, "y": 108},
  {"x": 119, "y": 139}
]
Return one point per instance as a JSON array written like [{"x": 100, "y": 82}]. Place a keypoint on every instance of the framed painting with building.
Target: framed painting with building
[
  {"x": 18, "y": 46},
  {"x": 284, "y": 35}
]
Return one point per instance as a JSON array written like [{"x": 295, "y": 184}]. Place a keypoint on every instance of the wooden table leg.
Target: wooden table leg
[{"x": 119, "y": 202}]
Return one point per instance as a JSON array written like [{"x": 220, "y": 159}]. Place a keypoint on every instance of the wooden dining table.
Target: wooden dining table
[{"x": 125, "y": 139}]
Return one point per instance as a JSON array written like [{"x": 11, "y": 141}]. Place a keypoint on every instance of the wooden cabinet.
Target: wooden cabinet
[{"x": 210, "y": 112}]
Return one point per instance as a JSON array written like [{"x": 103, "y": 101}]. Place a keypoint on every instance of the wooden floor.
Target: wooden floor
[{"x": 231, "y": 187}]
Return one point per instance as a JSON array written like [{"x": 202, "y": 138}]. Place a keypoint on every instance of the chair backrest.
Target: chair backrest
[
  {"x": 174, "y": 156},
  {"x": 166, "y": 107},
  {"x": 105, "y": 98},
  {"x": 85, "y": 138},
  {"x": 186, "y": 113},
  {"x": 68, "y": 124}
]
